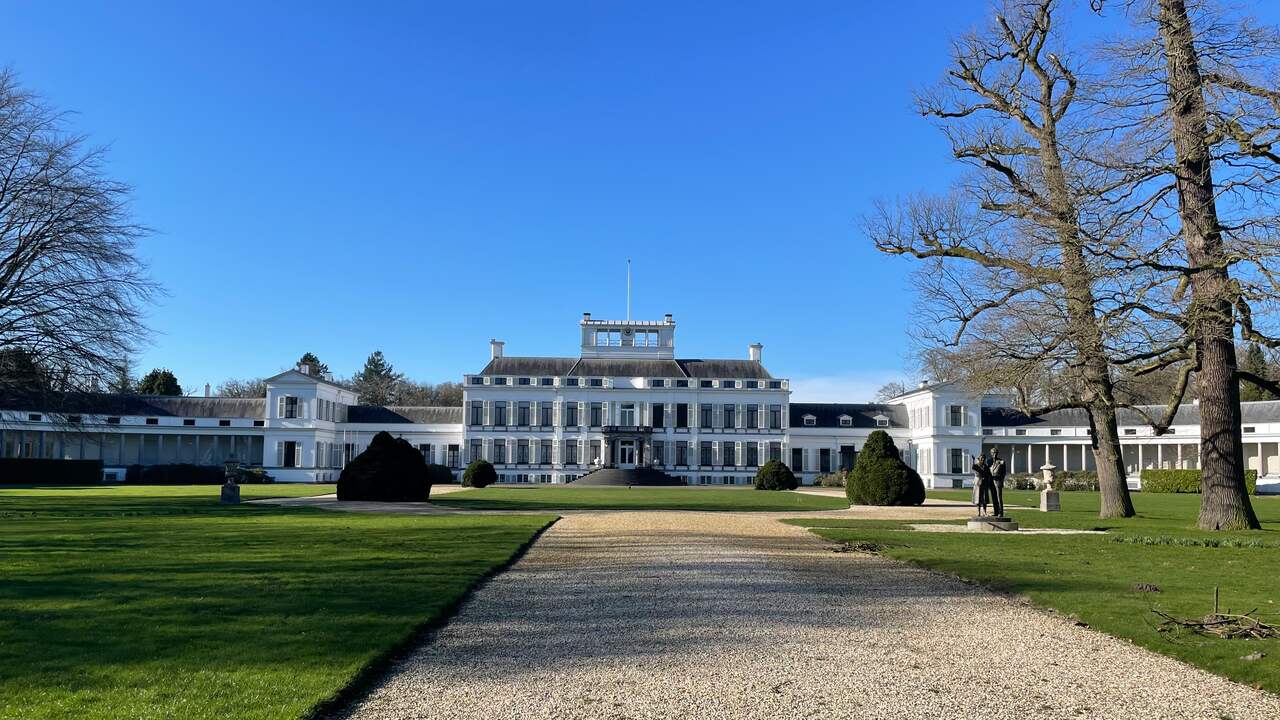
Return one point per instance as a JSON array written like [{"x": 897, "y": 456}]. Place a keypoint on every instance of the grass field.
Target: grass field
[
  {"x": 157, "y": 602},
  {"x": 648, "y": 498},
  {"x": 1093, "y": 576}
]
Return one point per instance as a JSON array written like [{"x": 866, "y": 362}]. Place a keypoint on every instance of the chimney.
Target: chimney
[
  {"x": 667, "y": 319},
  {"x": 495, "y": 349},
  {"x": 586, "y": 317},
  {"x": 924, "y": 384},
  {"x": 304, "y": 368},
  {"x": 753, "y": 351},
  {"x": 206, "y": 389}
]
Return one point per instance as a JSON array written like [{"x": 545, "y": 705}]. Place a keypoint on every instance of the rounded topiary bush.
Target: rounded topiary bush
[
  {"x": 479, "y": 473},
  {"x": 389, "y": 470},
  {"x": 439, "y": 474},
  {"x": 773, "y": 475},
  {"x": 880, "y": 477}
]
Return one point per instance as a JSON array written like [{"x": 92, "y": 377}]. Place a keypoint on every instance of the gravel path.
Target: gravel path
[{"x": 718, "y": 615}]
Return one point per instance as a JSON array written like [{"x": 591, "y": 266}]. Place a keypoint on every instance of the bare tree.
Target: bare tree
[
  {"x": 890, "y": 390},
  {"x": 446, "y": 394},
  {"x": 1192, "y": 116},
  {"x": 1018, "y": 291},
  {"x": 247, "y": 388},
  {"x": 71, "y": 287}
]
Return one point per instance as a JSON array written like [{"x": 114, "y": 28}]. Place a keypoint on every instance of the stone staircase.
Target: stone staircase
[{"x": 639, "y": 477}]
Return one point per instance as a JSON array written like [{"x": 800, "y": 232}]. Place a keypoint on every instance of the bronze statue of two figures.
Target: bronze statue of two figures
[{"x": 988, "y": 488}]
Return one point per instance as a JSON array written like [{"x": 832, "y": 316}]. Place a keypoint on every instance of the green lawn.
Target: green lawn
[
  {"x": 1093, "y": 576},
  {"x": 542, "y": 497},
  {"x": 157, "y": 602}
]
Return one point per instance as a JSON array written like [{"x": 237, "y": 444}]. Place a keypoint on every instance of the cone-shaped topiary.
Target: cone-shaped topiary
[
  {"x": 880, "y": 477},
  {"x": 389, "y": 470},
  {"x": 478, "y": 474},
  {"x": 773, "y": 475}
]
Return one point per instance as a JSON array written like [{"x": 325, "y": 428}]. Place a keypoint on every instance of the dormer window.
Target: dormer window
[
  {"x": 499, "y": 381},
  {"x": 882, "y": 421},
  {"x": 810, "y": 421},
  {"x": 596, "y": 382},
  {"x": 477, "y": 381},
  {"x": 524, "y": 381},
  {"x": 657, "y": 382},
  {"x": 846, "y": 421},
  {"x": 728, "y": 384}
]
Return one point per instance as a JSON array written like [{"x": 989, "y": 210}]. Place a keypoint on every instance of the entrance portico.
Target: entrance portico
[{"x": 626, "y": 446}]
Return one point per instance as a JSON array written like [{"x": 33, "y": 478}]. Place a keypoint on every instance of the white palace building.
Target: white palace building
[{"x": 625, "y": 400}]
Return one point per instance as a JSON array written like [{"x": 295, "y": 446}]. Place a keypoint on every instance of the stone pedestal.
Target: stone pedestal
[
  {"x": 992, "y": 523},
  {"x": 1049, "y": 501},
  {"x": 230, "y": 494}
]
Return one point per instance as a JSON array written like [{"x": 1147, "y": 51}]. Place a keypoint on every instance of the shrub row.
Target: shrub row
[
  {"x": 1185, "y": 481},
  {"x": 1071, "y": 481},
  {"x": 47, "y": 471},
  {"x": 833, "y": 480},
  {"x": 188, "y": 474}
]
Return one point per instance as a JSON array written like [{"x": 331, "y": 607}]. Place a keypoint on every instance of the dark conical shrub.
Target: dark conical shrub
[
  {"x": 880, "y": 477},
  {"x": 389, "y": 470},
  {"x": 479, "y": 473},
  {"x": 773, "y": 475}
]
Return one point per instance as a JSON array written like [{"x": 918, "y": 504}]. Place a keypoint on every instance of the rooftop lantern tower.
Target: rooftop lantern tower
[{"x": 644, "y": 339}]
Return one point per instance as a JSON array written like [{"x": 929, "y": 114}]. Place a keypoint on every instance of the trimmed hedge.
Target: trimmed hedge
[
  {"x": 479, "y": 473},
  {"x": 389, "y": 470},
  {"x": 1070, "y": 481},
  {"x": 47, "y": 471},
  {"x": 880, "y": 477},
  {"x": 188, "y": 474},
  {"x": 832, "y": 480},
  {"x": 773, "y": 475},
  {"x": 1186, "y": 481}
]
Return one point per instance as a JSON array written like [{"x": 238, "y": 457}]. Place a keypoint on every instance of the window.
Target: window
[
  {"x": 657, "y": 383},
  {"x": 706, "y": 384},
  {"x": 256, "y": 423},
  {"x": 797, "y": 460},
  {"x": 594, "y": 453},
  {"x": 704, "y": 454},
  {"x": 500, "y": 413},
  {"x": 682, "y": 383},
  {"x": 659, "y": 455},
  {"x": 705, "y": 413},
  {"x": 188, "y": 422},
  {"x": 682, "y": 453},
  {"x": 544, "y": 414},
  {"x": 499, "y": 452},
  {"x": 753, "y": 416},
  {"x": 882, "y": 421},
  {"x": 570, "y": 452},
  {"x": 153, "y": 421},
  {"x": 824, "y": 460},
  {"x": 1020, "y": 431},
  {"x": 522, "y": 452},
  {"x": 287, "y": 406},
  {"x": 1247, "y": 428},
  {"x": 810, "y": 421},
  {"x": 74, "y": 419},
  {"x": 658, "y": 415},
  {"x": 546, "y": 382},
  {"x": 729, "y": 417},
  {"x": 524, "y": 381},
  {"x": 290, "y": 454},
  {"x": 646, "y": 338},
  {"x": 544, "y": 451},
  {"x": 522, "y": 413},
  {"x": 775, "y": 384},
  {"x": 425, "y": 449},
  {"x": 1055, "y": 431},
  {"x": 477, "y": 381},
  {"x": 597, "y": 414},
  {"x": 988, "y": 431},
  {"x": 453, "y": 456},
  {"x": 775, "y": 451},
  {"x": 116, "y": 421},
  {"x": 224, "y": 423},
  {"x": 753, "y": 454},
  {"x": 596, "y": 382},
  {"x": 955, "y": 457},
  {"x": 752, "y": 384},
  {"x": 477, "y": 412},
  {"x": 609, "y": 338},
  {"x": 477, "y": 450},
  {"x": 728, "y": 384},
  {"x": 1130, "y": 431},
  {"x": 846, "y": 421},
  {"x": 728, "y": 454},
  {"x": 682, "y": 415},
  {"x": 571, "y": 382},
  {"x": 775, "y": 417},
  {"x": 627, "y": 415},
  {"x": 955, "y": 416},
  {"x": 571, "y": 414}
]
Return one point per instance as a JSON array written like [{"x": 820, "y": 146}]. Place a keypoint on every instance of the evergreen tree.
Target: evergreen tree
[
  {"x": 377, "y": 382},
  {"x": 880, "y": 477},
  {"x": 311, "y": 361},
  {"x": 159, "y": 381},
  {"x": 20, "y": 371},
  {"x": 123, "y": 381},
  {"x": 1255, "y": 362}
]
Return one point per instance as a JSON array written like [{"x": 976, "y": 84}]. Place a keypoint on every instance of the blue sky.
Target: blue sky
[{"x": 420, "y": 177}]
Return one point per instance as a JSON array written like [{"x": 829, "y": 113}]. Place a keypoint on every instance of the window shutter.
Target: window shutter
[
  {"x": 297, "y": 454},
  {"x": 715, "y": 452},
  {"x": 279, "y": 454},
  {"x": 280, "y": 406},
  {"x": 717, "y": 415},
  {"x": 738, "y": 458}
]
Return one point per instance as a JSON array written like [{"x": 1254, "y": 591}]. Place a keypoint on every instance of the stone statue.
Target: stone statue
[{"x": 997, "y": 470}]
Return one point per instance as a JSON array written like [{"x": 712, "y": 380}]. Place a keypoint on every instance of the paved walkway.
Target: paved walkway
[{"x": 718, "y": 615}]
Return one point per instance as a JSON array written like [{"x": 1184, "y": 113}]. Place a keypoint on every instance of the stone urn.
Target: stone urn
[
  {"x": 1049, "y": 500},
  {"x": 231, "y": 488}
]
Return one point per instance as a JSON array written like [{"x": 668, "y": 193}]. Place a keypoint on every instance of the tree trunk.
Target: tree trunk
[
  {"x": 1224, "y": 499},
  {"x": 1113, "y": 484}
]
